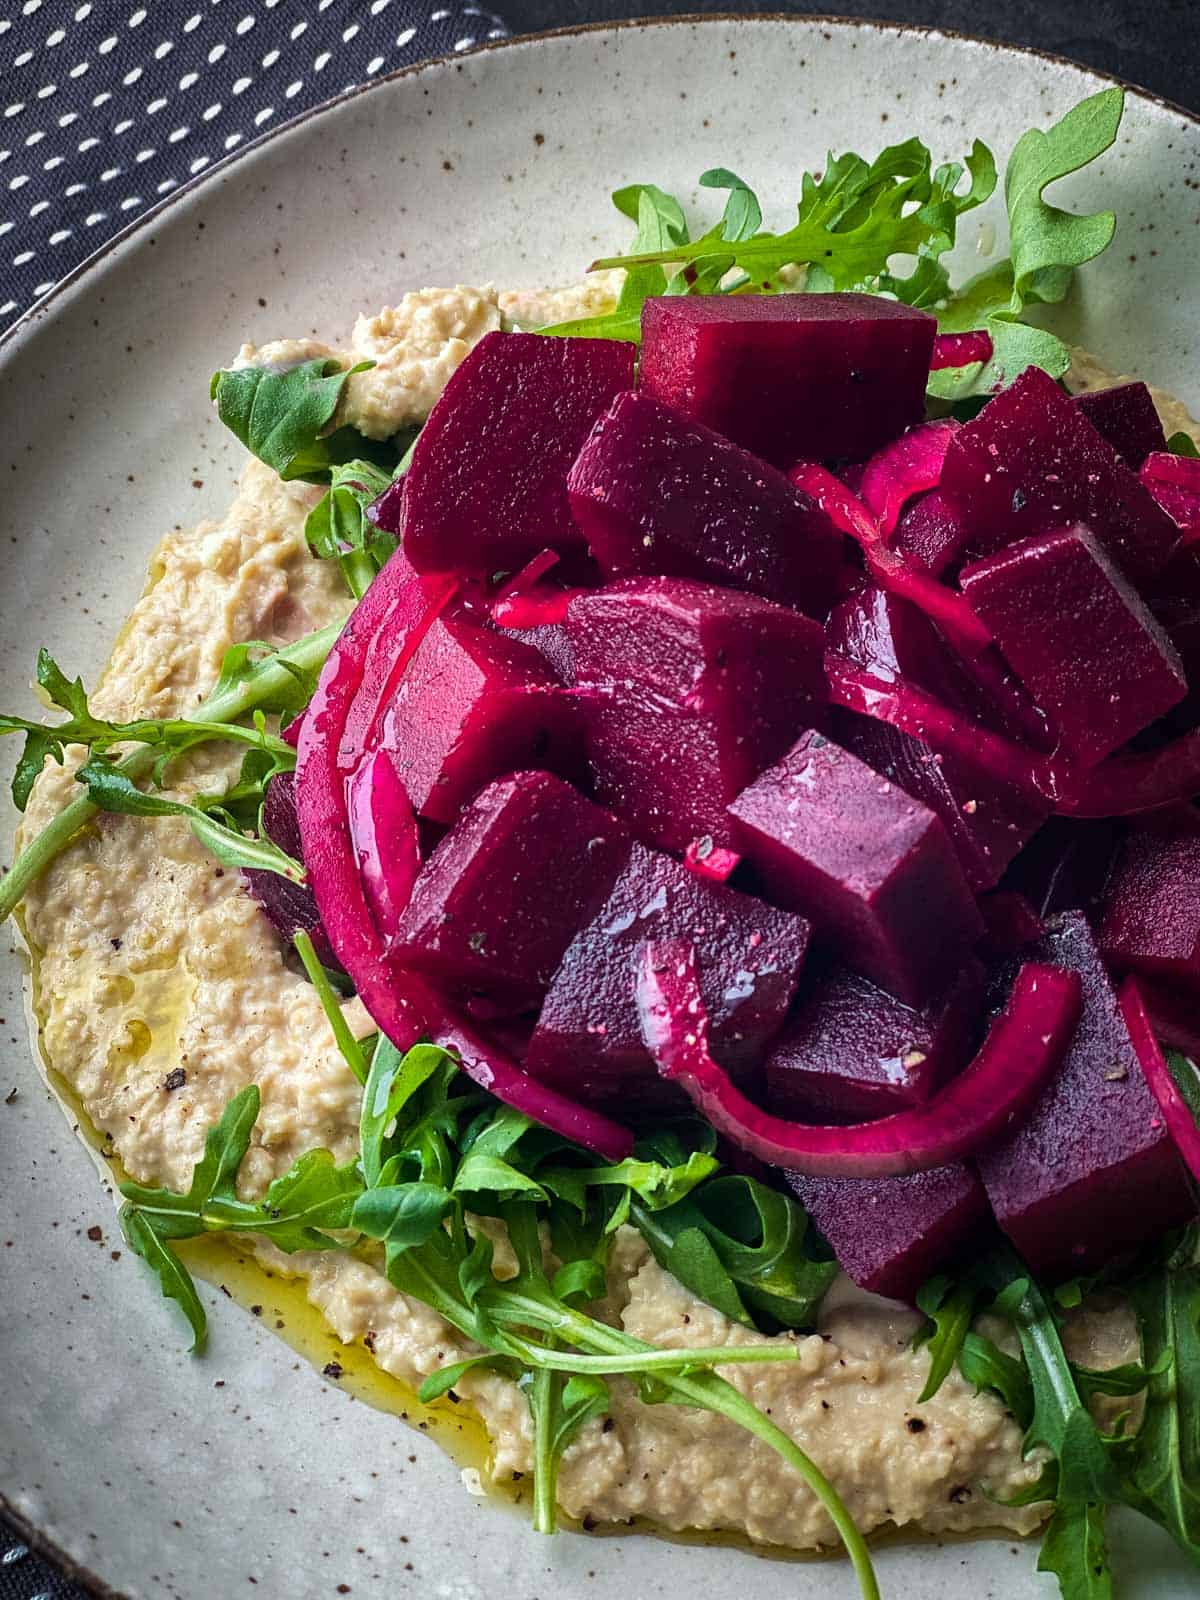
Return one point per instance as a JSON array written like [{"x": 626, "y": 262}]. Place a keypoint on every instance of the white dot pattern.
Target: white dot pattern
[{"x": 106, "y": 107}]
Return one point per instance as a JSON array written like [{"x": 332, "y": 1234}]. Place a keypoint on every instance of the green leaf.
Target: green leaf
[
  {"x": 949, "y": 1310},
  {"x": 1075, "y": 1550},
  {"x": 331, "y": 1005},
  {"x": 742, "y": 216},
  {"x": 440, "y": 1383},
  {"x": 982, "y": 1362},
  {"x": 337, "y": 528},
  {"x": 315, "y": 1194},
  {"x": 402, "y": 1215},
  {"x": 392, "y": 1081},
  {"x": 173, "y": 1277},
  {"x": 283, "y": 417},
  {"x": 1182, "y": 444}
]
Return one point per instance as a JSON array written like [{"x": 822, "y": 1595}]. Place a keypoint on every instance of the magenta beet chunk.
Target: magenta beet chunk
[
  {"x": 588, "y": 1041},
  {"x": 1093, "y": 1170},
  {"x": 1079, "y": 637},
  {"x": 850, "y": 1052},
  {"x": 930, "y": 535},
  {"x": 688, "y": 692},
  {"x": 1127, "y": 417},
  {"x": 486, "y": 489},
  {"x": 790, "y": 376},
  {"x": 1151, "y": 918},
  {"x": 891, "y": 1234},
  {"x": 552, "y": 643},
  {"x": 474, "y": 703},
  {"x": 1031, "y": 461},
  {"x": 871, "y": 867},
  {"x": 1010, "y": 923},
  {"x": 501, "y": 897},
  {"x": 656, "y": 493},
  {"x": 986, "y": 821},
  {"x": 291, "y": 908}
]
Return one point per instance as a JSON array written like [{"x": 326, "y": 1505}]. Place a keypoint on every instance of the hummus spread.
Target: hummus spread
[{"x": 163, "y": 990}]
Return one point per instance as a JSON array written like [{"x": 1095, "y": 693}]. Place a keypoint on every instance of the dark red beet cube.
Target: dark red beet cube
[
  {"x": 588, "y": 1041},
  {"x": 1127, "y": 417},
  {"x": 290, "y": 907},
  {"x": 850, "y": 1052},
  {"x": 487, "y": 485},
  {"x": 502, "y": 896},
  {"x": 1031, "y": 461},
  {"x": 474, "y": 703},
  {"x": 871, "y": 867},
  {"x": 1092, "y": 1171},
  {"x": 688, "y": 692},
  {"x": 987, "y": 822},
  {"x": 654, "y": 492},
  {"x": 790, "y": 376},
  {"x": 891, "y": 1234},
  {"x": 1151, "y": 918},
  {"x": 1079, "y": 637},
  {"x": 1010, "y": 921},
  {"x": 930, "y": 534}
]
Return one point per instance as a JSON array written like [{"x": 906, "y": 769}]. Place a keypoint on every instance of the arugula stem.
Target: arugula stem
[
  {"x": 346, "y": 1042},
  {"x": 271, "y": 677},
  {"x": 542, "y": 1404}
]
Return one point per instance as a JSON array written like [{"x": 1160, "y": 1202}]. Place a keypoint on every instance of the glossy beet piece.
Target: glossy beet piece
[
  {"x": 1174, "y": 481},
  {"x": 1151, "y": 917},
  {"x": 688, "y": 692},
  {"x": 1022, "y": 1048},
  {"x": 790, "y": 375},
  {"x": 709, "y": 861},
  {"x": 1127, "y": 417},
  {"x": 291, "y": 908},
  {"x": 486, "y": 487},
  {"x": 987, "y": 822},
  {"x": 851, "y": 1052},
  {"x": 930, "y": 535},
  {"x": 1079, "y": 637},
  {"x": 1031, "y": 461},
  {"x": 891, "y": 1234},
  {"x": 1178, "y": 1106},
  {"x": 588, "y": 1041},
  {"x": 905, "y": 467},
  {"x": 1091, "y": 1171},
  {"x": 502, "y": 896},
  {"x": 474, "y": 703},
  {"x": 870, "y": 866},
  {"x": 385, "y": 836},
  {"x": 654, "y": 492}
]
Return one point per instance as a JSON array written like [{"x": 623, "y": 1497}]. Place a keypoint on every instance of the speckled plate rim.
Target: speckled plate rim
[{"x": 49, "y": 304}]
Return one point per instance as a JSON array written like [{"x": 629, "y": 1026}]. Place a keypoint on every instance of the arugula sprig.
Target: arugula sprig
[{"x": 337, "y": 528}]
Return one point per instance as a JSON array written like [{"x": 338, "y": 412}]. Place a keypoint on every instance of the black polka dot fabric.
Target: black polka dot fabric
[{"x": 105, "y": 107}]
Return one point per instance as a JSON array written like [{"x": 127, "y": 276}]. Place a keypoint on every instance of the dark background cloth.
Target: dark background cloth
[{"x": 106, "y": 107}]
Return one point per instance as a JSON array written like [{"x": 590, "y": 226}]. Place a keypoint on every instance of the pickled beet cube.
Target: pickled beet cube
[
  {"x": 790, "y": 376},
  {"x": 474, "y": 703},
  {"x": 1079, "y": 637},
  {"x": 503, "y": 894},
  {"x": 1127, "y": 417},
  {"x": 487, "y": 485},
  {"x": 1092, "y": 1171},
  {"x": 654, "y": 492},
  {"x": 987, "y": 822},
  {"x": 588, "y": 1041},
  {"x": 1031, "y": 461},
  {"x": 870, "y": 866},
  {"x": 688, "y": 692},
  {"x": 850, "y": 1052},
  {"x": 1150, "y": 923},
  {"x": 891, "y": 1234},
  {"x": 930, "y": 534}
]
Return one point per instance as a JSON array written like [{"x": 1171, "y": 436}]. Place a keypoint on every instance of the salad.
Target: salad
[{"x": 732, "y": 836}]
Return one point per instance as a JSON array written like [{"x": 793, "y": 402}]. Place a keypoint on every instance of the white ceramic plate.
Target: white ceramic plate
[{"x": 245, "y": 1473}]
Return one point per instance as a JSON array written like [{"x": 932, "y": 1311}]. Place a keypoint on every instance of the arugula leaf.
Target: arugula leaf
[
  {"x": 1182, "y": 444},
  {"x": 660, "y": 225},
  {"x": 742, "y": 216},
  {"x": 111, "y": 789},
  {"x": 982, "y": 1362},
  {"x": 174, "y": 1278},
  {"x": 1075, "y": 1550},
  {"x": 392, "y": 1081},
  {"x": 401, "y": 1215},
  {"x": 949, "y": 1310},
  {"x": 560, "y": 1409},
  {"x": 337, "y": 528},
  {"x": 349, "y": 1046},
  {"x": 282, "y": 417}
]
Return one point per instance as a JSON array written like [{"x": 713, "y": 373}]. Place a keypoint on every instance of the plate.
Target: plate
[{"x": 246, "y": 1473}]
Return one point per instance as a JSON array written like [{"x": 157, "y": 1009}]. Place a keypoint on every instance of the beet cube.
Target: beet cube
[
  {"x": 870, "y": 866},
  {"x": 891, "y": 1234},
  {"x": 688, "y": 692},
  {"x": 1127, "y": 417},
  {"x": 656, "y": 493},
  {"x": 986, "y": 821},
  {"x": 850, "y": 1052},
  {"x": 588, "y": 1041},
  {"x": 930, "y": 534},
  {"x": 1093, "y": 1170},
  {"x": 1031, "y": 461},
  {"x": 487, "y": 485},
  {"x": 790, "y": 376},
  {"x": 501, "y": 897},
  {"x": 474, "y": 703},
  {"x": 1151, "y": 918},
  {"x": 1079, "y": 637}
]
